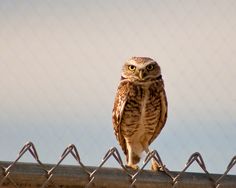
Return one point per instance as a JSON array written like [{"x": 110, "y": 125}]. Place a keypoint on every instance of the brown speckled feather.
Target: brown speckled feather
[
  {"x": 119, "y": 104},
  {"x": 163, "y": 115}
]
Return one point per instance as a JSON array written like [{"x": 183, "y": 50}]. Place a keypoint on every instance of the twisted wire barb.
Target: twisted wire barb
[
  {"x": 229, "y": 167},
  {"x": 198, "y": 158},
  {"x": 155, "y": 156},
  {"x": 71, "y": 149},
  {"x": 29, "y": 146},
  {"x": 112, "y": 152}
]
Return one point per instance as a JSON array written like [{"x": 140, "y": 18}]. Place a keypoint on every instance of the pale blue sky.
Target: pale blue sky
[{"x": 60, "y": 66}]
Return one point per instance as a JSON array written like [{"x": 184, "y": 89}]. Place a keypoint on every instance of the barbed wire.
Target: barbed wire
[{"x": 113, "y": 152}]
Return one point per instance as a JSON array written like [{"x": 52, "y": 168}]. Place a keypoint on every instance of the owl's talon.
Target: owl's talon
[
  {"x": 132, "y": 167},
  {"x": 156, "y": 167}
]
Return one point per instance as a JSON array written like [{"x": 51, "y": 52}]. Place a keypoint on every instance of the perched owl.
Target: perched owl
[{"x": 140, "y": 108}]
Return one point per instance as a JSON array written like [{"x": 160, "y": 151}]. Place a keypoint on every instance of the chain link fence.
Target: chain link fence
[{"x": 175, "y": 178}]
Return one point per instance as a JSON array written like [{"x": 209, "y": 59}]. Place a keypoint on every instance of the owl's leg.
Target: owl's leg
[
  {"x": 132, "y": 158},
  {"x": 155, "y": 165}
]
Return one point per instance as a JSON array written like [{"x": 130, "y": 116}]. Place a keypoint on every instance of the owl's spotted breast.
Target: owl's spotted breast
[{"x": 142, "y": 112}]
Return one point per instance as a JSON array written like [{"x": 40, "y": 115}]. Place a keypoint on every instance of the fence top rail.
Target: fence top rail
[{"x": 32, "y": 175}]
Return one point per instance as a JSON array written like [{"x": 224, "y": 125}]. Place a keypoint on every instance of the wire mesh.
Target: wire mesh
[{"x": 111, "y": 153}]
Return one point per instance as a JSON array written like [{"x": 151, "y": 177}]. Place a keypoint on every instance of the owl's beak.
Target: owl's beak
[{"x": 141, "y": 74}]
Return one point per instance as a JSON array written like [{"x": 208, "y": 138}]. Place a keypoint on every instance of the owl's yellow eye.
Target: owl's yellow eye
[
  {"x": 150, "y": 67},
  {"x": 131, "y": 67}
]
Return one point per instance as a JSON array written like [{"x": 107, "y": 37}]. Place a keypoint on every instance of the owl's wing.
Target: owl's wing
[
  {"x": 119, "y": 104},
  {"x": 162, "y": 116}
]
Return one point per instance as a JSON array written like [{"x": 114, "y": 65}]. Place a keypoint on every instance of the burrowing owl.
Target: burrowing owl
[{"x": 140, "y": 108}]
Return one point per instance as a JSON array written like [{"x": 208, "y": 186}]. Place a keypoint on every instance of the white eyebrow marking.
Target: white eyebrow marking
[{"x": 140, "y": 66}]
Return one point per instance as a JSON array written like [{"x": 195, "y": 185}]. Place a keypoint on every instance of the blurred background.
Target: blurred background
[{"x": 60, "y": 64}]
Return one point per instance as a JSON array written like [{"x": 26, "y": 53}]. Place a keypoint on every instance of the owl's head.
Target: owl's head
[{"x": 140, "y": 69}]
